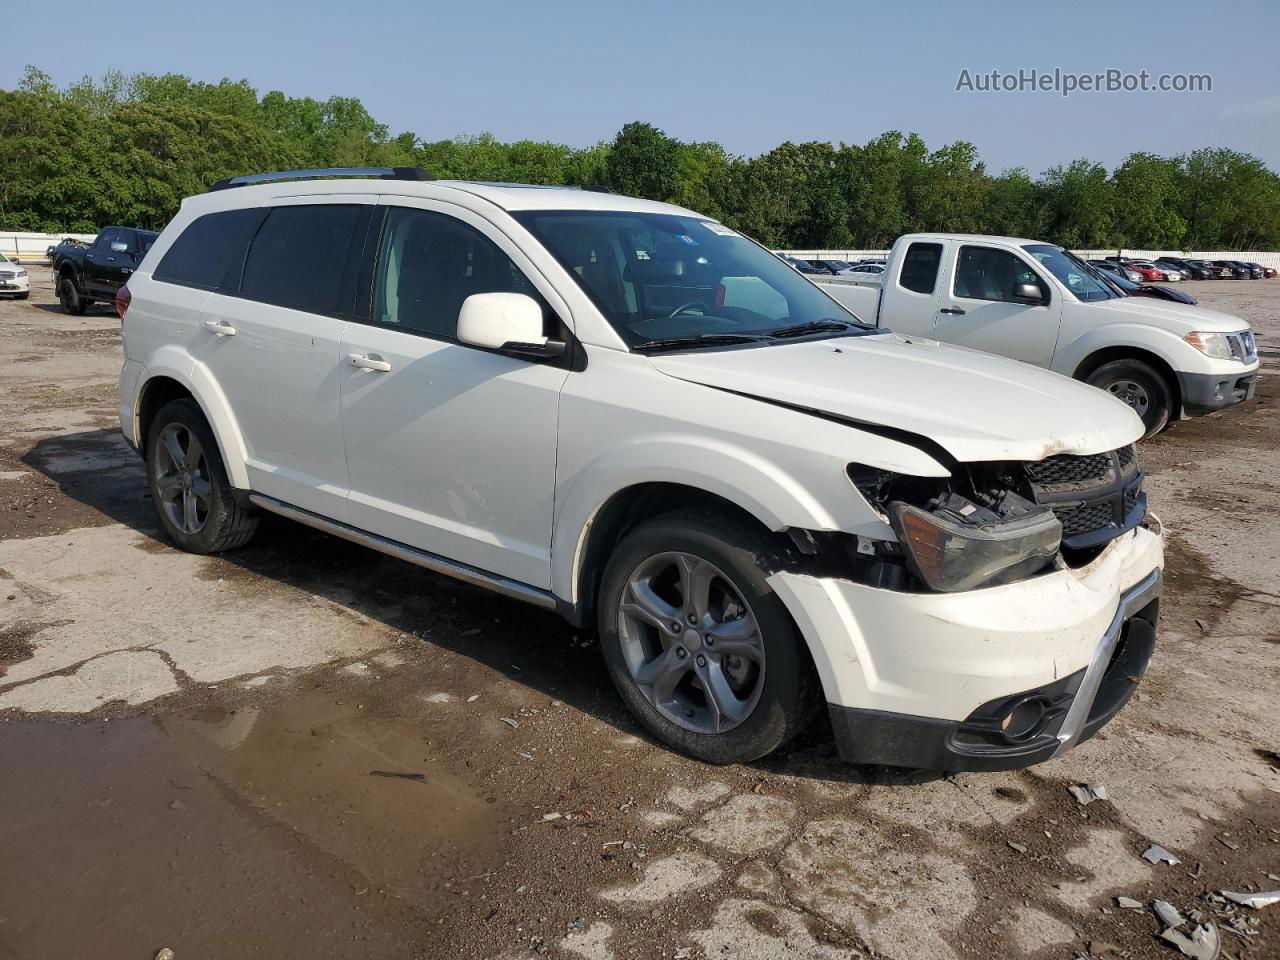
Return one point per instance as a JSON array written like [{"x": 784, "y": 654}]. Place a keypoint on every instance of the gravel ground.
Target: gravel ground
[{"x": 305, "y": 749}]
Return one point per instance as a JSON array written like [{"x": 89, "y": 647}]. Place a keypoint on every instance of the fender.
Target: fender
[
  {"x": 175, "y": 363},
  {"x": 762, "y": 488},
  {"x": 1163, "y": 343}
]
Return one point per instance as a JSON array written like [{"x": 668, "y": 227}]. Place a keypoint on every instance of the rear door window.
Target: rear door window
[
  {"x": 209, "y": 254},
  {"x": 920, "y": 267},
  {"x": 301, "y": 256}
]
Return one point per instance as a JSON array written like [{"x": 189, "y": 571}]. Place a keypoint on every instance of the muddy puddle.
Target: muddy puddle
[{"x": 260, "y": 830}]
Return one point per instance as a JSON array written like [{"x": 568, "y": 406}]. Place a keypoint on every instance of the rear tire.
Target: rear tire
[
  {"x": 189, "y": 486},
  {"x": 70, "y": 298},
  {"x": 764, "y": 688},
  {"x": 1142, "y": 387}
]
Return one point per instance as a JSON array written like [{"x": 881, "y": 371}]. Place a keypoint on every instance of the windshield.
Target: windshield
[
  {"x": 662, "y": 277},
  {"x": 1077, "y": 276}
]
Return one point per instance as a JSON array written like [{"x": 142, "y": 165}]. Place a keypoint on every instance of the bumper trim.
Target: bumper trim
[
  {"x": 1206, "y": 392},
  {"x": 1131, "y": 601}
]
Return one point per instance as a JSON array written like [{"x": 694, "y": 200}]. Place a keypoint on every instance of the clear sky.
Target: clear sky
[{"x": 748, "y": 74}]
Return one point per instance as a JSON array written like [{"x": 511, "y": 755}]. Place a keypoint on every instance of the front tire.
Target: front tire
[
  {"x": 1142, "y": 387},
  {"x": 699, "y": 646},
  {"x": 189, "y": 486},
  {"x": 70, "y": 298}
]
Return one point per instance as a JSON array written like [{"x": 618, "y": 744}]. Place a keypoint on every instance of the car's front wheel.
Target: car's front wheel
[
  {"x": 189, "y": 486},
  {"x": 1140, "y": 386},
  {"x": 701, "y": 649}
]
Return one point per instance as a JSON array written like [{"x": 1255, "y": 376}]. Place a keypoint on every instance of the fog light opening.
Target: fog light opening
[{"x": 1026, "y": 719}]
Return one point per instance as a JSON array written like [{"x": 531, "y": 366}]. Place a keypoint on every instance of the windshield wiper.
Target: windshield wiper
[
  {"x": 830, "y": 325},
  {"x": 694, "y": 341}
]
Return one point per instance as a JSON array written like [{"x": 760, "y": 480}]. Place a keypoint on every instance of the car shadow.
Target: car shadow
[
  {"x": 93, "y": 310},
  {"x": 525, "y": 644}
]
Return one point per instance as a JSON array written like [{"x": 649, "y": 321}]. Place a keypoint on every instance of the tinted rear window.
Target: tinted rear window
[
  {"x": 300, "y": 256},
  {"x": 920, "y": 267},
  {"x": 209, "y": 253}
]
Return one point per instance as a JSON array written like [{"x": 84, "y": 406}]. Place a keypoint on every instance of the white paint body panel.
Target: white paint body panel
[
  {"x": 503, "y": 464},
  {"x": 1059, "y": 337}
]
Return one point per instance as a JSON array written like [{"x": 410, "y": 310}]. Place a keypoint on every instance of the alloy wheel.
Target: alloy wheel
[
  {"x": 691, "y": 642},
  {"x": 182, "y": 479}
]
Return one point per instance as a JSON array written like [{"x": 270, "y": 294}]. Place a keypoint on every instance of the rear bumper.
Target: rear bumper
[
  {"x": 1205, "y": 392},
  {"x": 1069, "y": 711}
]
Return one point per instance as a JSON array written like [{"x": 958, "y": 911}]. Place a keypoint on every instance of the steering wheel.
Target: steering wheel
[{"x": 687, "y": 306}]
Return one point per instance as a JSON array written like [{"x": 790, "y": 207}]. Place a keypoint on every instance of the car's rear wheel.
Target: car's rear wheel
[
  {"x": 70, "y": 298},
  {"x": 189, "y": 485},
  {"x": 701, "y": 649},
  {"x": 1142, "y": 387}
]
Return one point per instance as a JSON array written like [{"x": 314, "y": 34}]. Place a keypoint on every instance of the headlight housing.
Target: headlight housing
[
  {"x": 1211, "y": 344},
  {"x": 959, "y": 545}
]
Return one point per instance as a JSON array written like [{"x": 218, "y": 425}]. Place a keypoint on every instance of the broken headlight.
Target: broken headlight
[{"x": 957, "y": 543}]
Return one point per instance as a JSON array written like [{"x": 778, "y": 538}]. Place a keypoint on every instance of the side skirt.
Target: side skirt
[{"x": 401, "y": 551}]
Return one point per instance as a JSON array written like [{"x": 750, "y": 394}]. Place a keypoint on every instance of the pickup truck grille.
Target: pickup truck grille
[
  {"x": 1243, "y": 346},
  {"x": 1097, "y": 497}
]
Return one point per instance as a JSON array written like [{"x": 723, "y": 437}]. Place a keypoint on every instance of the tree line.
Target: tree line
[{"x": 127, "y": 148}]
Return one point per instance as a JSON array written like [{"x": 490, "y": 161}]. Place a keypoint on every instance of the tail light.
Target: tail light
[{"x": 122, "y": 301}]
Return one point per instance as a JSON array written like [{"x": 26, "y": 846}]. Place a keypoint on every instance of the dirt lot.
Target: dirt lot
[{"x": 304, "y": 749}]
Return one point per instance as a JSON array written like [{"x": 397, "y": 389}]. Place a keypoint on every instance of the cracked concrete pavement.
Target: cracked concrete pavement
[{"x": 304, "y": 748}]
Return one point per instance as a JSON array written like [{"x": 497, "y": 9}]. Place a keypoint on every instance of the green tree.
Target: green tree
[{"x": 644, "y": 162}]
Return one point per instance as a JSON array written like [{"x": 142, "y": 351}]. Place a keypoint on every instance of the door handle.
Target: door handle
[
  {"x": 368, "y": 363},
  {"x": 220, "y": 327},
  {"x": 954, "y": 311}
]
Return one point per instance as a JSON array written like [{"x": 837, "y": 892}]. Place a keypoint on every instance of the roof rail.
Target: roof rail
[{"x": 384, "y": 173}]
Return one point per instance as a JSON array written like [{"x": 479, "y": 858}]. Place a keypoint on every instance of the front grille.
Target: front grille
[
  {"x": 1065, "y": 468},
  {"x": 1096, "y": 497},
  {"x": 1243, "y": 346}
]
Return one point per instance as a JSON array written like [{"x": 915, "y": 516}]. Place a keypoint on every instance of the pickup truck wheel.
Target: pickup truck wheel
[
  {"x": 701, "y": 649},
  {"x": 70, "y": 297},
  {"x": 189, "y": 486},
  {"x": 1139, "y": 385}
]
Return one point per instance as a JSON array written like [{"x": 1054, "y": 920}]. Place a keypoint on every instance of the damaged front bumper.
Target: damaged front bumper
[{"x": 989, "y": 679}]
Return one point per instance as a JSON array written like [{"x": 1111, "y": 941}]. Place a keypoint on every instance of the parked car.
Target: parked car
[
  {"x": 1252, "y": 271},
  {"x": 1146, "y": 271},
  {"x": 1117, "y": 269},
  {"x": 1267, "y": 272},
  {"x": 868, "y": 267},
  {"x": 1172, "y": 272},
  {"x": 14, "y": 281},
  {"x": 629, "y": 413},
  {"x": 1041, "y": 304},
  {"x": 1191, "y": 269},
  {"x": 1132, "y": 289},
  {"x": 1232, "y": 270},
  {"x": 92, "y": 273}
]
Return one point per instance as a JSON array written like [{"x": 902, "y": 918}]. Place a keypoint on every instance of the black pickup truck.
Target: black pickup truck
[{"x": 85, "y": 274}]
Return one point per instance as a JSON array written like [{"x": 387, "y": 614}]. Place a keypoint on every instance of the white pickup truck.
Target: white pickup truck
[{"x": 1039, "y": 303}]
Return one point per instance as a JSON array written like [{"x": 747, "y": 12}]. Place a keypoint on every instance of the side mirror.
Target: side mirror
[
  {"x": 1028, "y": 293},
  {"x": 119, "y": 246},
  {"x": 506, "y": 321}
]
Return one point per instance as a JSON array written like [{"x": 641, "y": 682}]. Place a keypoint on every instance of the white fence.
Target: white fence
[
  {"x": 31, "y": 247},
  {"x": 1267, "y": 259}
]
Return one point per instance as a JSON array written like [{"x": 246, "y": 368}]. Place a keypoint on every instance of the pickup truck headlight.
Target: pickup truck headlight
[
  {"x": 1214, "y": 345},
  {"x": 960, "y": 545}
]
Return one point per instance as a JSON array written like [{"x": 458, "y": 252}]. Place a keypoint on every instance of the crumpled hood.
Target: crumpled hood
[
  {"x": 1180, "y": 318},
  {"x": 977, "y": 406}
]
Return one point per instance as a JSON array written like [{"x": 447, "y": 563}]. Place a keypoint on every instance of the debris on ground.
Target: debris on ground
[
  {"x": 1128, "y": 903},
  {"x": 682, "y": 953},
  {"x": 164, "y": 954},
  {"x": 547, "y": 817},
  {"x": 473, "y": 698},
  {"x": 1018, "y": 846},
  {"x": 1158, "y": 854},
  {"x": 1204, "y": 627},
  {"x": 1086, "y": 793},
  {"x": 1204, "y": 943},
  {"x": 1168, "y": 913},
  {"x": 1255, "y": 900},
  {"x": 513, "y": 724},
  {"x": 397, "y": 775}
]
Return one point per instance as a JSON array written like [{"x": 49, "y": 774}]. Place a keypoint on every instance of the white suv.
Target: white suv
[{"x": 630, "y": 413}]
